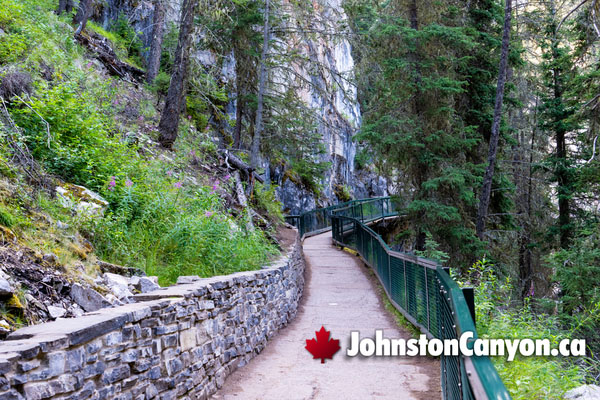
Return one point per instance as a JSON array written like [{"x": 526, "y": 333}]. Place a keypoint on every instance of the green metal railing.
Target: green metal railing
[
  {"x": 419, "y": 288},
  {"x": 319, "y": 220}
]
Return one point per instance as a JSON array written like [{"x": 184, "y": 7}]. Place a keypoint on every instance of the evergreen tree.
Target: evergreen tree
[
  {"x": 555, "y": 119},
  {"x": 421, "y": 53}
]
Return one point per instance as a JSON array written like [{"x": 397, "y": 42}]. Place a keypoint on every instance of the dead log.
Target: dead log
[
  {"x": 243, "y": 200},
  {"x": 103, "y": 51},
  {"x": 234, "y": 161}
]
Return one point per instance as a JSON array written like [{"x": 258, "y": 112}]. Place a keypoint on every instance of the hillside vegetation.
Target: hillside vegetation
[{"x": 66, "y": 121}]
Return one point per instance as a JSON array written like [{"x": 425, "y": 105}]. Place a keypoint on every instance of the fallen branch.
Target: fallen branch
[
  {"x": 231, "y": 160},
  {"x": 100, "y": 46},
  {"x": 20, "y": 152}
]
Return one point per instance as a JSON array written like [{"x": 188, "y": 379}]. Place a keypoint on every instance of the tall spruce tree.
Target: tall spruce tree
[
  {"x": 555, "y": 118},
  {"x": 417, "y": 55}
]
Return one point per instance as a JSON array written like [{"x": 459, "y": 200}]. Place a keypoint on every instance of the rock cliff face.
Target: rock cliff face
[{"x": 330, "y": 93}]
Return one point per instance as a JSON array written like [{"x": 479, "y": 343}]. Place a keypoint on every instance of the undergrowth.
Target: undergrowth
[
  {"x": 158, "y": 219},
  {"x": 498, "y": 318}
]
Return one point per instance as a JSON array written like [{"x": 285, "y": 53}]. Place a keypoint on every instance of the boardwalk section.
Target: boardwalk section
[{"x": 341, "y": 295}]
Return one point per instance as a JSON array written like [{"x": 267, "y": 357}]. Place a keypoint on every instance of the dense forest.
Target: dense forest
[{"x": 189, "y": 130}]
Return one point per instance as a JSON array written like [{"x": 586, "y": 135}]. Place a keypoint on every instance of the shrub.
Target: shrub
[
  {"x": 578, "y": 271},
  {"x": 12, "y": 47},
  {"x": 174, "y": 231},
  {"x": 6, "y": 217},
  {"x": 76, "y": 143},
  {"x": 267, "y": 202},
  {"x": 129, "y": 39},
  {"x": 161, "y": 83},
  {"x": 525, "y": 377}
]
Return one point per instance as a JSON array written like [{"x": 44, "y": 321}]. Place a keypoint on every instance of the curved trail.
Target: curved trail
[{"x": 340, "y": 294}]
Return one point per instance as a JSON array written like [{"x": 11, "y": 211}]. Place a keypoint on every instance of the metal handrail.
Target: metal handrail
[
  {"x": 418, "y": 287},
  {"x": 318, "y": 221}
]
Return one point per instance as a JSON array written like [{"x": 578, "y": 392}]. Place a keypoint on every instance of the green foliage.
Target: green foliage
[
  {"x": 432, "y": 250},
  {"x": 12, "y": 47},
  {"x": 410, "y": 121},
  {"x": 525, "y": 377},
  {"x": 126, "y": 42},
  {"x": 266, "y": 201},
  {"x": 206, "y": 97},
  {"x": 308, "y": 172},
  {"x": 342, "y": 192},
  {"x": 578, "y": 271},
  {"x": 169, "y": 46},
  {"x": 6, "y": 217},
  {"x": 128, "y": 39},
  {"x": 161, "y": 83},
  {"x": 171, "y": 231},
  {"x": 10, "y": 13},
  {"x": 362, "y": 159},
  {"x": 13, "y": 43},
  {"x": 77, "y": 143}
]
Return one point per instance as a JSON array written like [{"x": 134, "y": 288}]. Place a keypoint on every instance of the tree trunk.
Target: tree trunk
[
  {"x": 414, "y": 20},
  {"x": 62, "y": 6},
  {"x": 169, "y": 121},
  {"x": 69, "y": 6},
  {"x": 239, "y": 190},
  {"x": 157, "y": 39},
  {"x": 237, "y": 131},
  {"x": 259, "y": 125},
  {"x": 562, "y": 175},
  {"x": 525, "y": 261},
  {"x": 561, "y": 169},
  {"x": 84, "y": 12},
  {"x": 486, "y": 190}
]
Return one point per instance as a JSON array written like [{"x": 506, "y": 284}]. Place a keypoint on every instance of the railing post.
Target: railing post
[
  {"x": 427, "y": 298},
  {"x": 469, "y": 294},
  {"x": 389, "y": 273},
  {"x": 405, "y": 286}
]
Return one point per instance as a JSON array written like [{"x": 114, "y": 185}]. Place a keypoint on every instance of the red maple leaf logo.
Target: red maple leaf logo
[{"x": 323, "y": 347}]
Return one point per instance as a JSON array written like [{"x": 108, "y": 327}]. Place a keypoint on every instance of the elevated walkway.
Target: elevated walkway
[{"x": 341, "y": 294}]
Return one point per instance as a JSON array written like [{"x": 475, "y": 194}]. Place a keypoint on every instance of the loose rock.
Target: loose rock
[
  {"x": 146, "y": 285},
  {"x": 585, "y": 392},
  {"x": 88, "y": 298},
  {"x": 56, "y": 312},
  {"x": 6, "y": 288}
]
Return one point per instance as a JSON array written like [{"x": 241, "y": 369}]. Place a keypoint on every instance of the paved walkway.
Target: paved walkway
[{"x": 341, "y": 295}]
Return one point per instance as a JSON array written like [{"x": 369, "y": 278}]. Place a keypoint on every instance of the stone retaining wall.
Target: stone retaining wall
[{"x": 180, "y": 342}]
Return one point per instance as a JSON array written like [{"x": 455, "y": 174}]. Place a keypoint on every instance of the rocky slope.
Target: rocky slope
[{"x": 320, "y": 39}]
